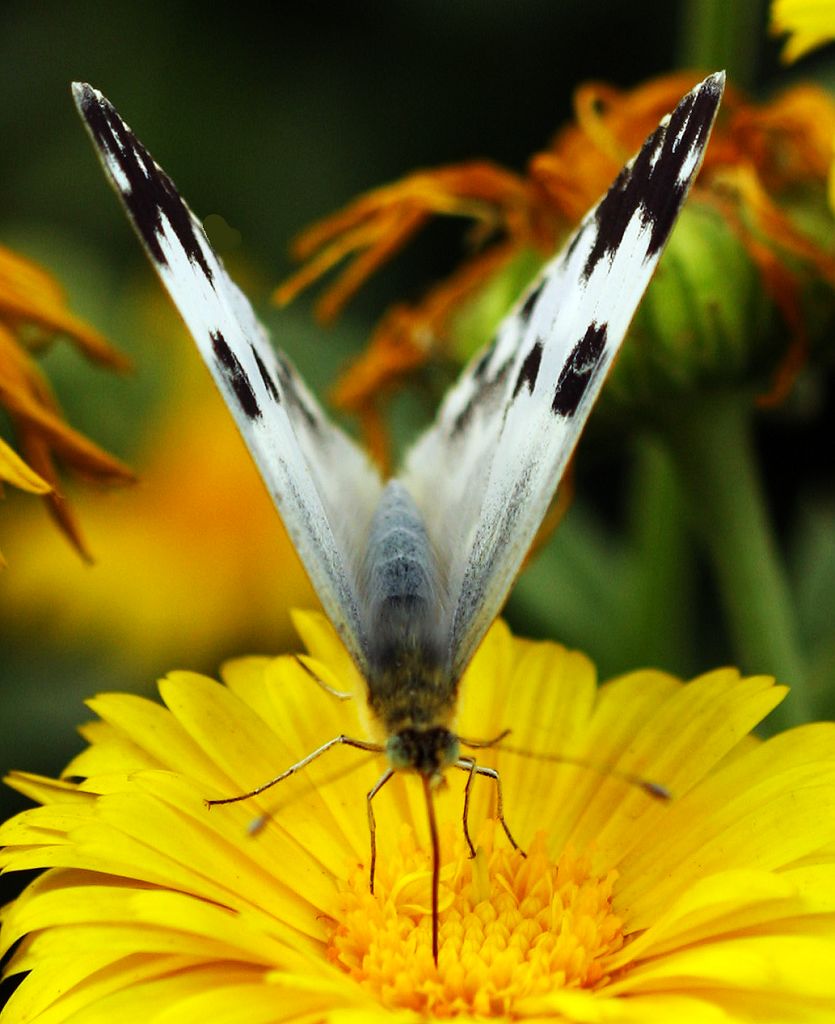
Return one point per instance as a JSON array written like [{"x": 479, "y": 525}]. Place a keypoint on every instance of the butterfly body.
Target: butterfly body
[
  {"x": 401, "y": 588},
  {"x": 411, "y": 690}
]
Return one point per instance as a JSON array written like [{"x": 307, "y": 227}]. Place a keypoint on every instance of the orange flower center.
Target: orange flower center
[{"x": 511, "y": 929}]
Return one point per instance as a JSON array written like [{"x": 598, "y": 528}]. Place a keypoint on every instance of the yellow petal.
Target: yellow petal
[
  {"x": 791, "y": 965},
  {"x": 810, "y": 22},
  {"x": 45, "y": 791},
  {"x": 15, "y": 471},
  {"x": 319, "y": 638},
  {"x": 780, "y": 789},
  {"x": 130, "y": 991},
  {"x": 732, "y": 901},
  {"x": 164, "y": 743},
  {"x": 249, "y": 752},
  {"x": 265, "y": 1004}
]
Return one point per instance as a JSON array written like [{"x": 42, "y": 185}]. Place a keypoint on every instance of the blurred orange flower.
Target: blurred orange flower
[
  {"x": 190, "y": 564},
  {"x": 32, "y": 313},
  {"x": 760, "y": 158}
]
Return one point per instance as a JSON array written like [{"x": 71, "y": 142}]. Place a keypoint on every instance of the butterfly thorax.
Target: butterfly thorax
[
  {"x": 409, "y": 682},
  {"x": 411, "y": 693}
]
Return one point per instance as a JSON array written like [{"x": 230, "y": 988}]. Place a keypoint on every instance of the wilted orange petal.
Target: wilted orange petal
[
  {"x": 406, "y": 339},
  {"x": 391, "y": 352},
  {"x": 31, "y": 300},
  {"x": 448, "y": 190},
  {"x": 774, "y": 224},
  {"x": 26, "y": 395},
  {"x": 400, "y": 226},
  {"x": 789, "y": 139},
  {"x": 328, "y": 257},
  {"x": 73, "y": 447},
  {"x": 610, "y": 125},
  {"x": 38, "y": 453},
  {"x": 608, "y": 115},
  {"x": 377, "y": 224},
  {"x": 785, "y": 290},
  {"x": 757, "y": 154},
  {"x": 28, "y": 295},
  {"x": 767, "y": 236}
]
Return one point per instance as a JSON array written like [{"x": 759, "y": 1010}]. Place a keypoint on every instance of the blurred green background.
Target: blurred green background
[{"x": 271, "y": 116}]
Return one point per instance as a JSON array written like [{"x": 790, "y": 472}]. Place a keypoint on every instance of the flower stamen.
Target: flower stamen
[{"x": 510, "y": 928}]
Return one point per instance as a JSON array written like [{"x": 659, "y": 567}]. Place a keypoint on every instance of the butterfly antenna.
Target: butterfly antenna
[
  {"x": 649, "y": 786},
  {"x": 484, "y": 744},
  {"x": 436, "y": 861},
  {"x": 339, "y": 694}
]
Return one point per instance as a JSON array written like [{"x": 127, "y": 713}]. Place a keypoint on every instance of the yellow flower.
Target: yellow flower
[
  {"x": 762, "y": 163},
  {"x": 715, "y": 906},
  {"x": 196, "y": 553},
  {"x": 811, "y": 23},
  {"x": 32, "y": 313}
]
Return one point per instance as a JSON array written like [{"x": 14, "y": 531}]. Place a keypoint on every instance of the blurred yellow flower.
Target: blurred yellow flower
[
  {"x": 190, "y": 564},
  {"x": 760, "y": 160},
  {"x": 810, "y": 23},
  {"x": 717, "y": 906},
  {"x": 32, "y": 313}
]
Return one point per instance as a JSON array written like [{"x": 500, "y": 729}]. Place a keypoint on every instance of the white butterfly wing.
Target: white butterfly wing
[
  {"x": 324, "y": 486},
  {"x": 484, "y": 474}
]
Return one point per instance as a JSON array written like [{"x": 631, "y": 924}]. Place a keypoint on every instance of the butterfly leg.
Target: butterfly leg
[
  {"x": 258, "y": 823},
  {"x": 372, "y": 825},
  {"x": 469, "y": 764},
  {"x": 339, "y": 694}
]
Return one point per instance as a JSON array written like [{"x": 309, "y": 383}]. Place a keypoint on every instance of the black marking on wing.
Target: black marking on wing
[
  {"x": 487, "y": 387},
  {"x": 292, "y": 395},
  {"x": 529, "y": 370},
  {"x": 150, "y": 194},
  {"x": 652, "y": 184},
  {"x": 266, "y": 377},
  {"x": 235, "y": 376},
  {"x": 529, "y": 303},
  {"x": 579, "y": 370}
]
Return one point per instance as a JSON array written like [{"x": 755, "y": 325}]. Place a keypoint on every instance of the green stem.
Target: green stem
[
  {"x": 725, "y": 34},
  {"x": 659, "y": 627},
  {"x": 713, "y": 447}
]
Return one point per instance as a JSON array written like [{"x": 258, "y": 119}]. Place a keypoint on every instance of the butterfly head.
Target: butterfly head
[{"x": 425, "y": 751}]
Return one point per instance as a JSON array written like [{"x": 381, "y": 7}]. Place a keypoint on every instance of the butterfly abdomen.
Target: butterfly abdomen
[{"x": 403, "y": 597}]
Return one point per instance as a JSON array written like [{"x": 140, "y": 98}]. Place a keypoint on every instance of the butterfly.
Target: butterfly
[{"x": 413, "y": 570}]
